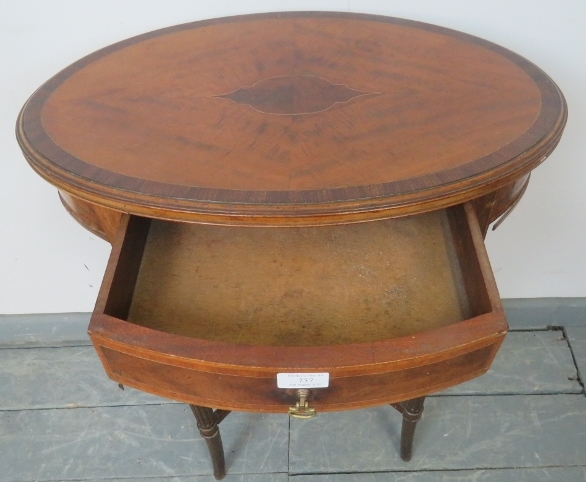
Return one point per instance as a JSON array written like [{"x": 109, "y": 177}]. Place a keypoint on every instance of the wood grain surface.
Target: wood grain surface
[{"x": 292, "y": 119}]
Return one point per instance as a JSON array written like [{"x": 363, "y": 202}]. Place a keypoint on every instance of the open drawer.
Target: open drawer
[{"x": 209, "y": 315}]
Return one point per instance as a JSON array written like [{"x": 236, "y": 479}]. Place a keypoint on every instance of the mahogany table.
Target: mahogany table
[{"x": 297, "y": 204}]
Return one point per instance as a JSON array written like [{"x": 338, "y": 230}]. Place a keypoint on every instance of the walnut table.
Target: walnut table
[{"x": 297, "y": 204}]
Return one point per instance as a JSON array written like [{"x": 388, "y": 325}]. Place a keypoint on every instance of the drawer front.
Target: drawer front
[
  {"x": 248, "y": 393},
  {"x": 399, "y": 354}
]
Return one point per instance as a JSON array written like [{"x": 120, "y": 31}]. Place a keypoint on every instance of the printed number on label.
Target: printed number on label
[{"x": 303, "y": 380}]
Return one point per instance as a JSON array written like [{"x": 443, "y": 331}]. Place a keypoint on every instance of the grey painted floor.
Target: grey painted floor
[{"x": 525, "y": 420}]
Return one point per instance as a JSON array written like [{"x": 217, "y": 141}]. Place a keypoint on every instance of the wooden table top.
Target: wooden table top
[{"x": 292, "y": 119}]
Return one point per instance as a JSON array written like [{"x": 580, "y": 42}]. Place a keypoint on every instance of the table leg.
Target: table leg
[
  {"x": 411, "y": 411},
  {"x": 207, "y": 423}
]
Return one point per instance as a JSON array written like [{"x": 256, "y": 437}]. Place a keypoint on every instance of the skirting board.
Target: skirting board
[{"x": 70, "y": 329}]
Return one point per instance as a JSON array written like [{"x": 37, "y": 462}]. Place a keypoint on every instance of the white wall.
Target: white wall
[{"x": 50, "y": 264}]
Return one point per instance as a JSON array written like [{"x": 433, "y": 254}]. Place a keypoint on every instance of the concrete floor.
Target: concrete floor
[{"x": 62, "y": 419}]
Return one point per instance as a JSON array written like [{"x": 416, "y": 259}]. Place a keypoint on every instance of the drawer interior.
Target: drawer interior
[{"x": 306, "y": 286}]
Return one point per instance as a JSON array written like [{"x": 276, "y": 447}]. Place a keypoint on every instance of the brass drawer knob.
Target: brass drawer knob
[{"x": 301, "y": 408}]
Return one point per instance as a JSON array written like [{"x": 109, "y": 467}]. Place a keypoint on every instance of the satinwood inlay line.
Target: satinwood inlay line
[{"x": 294, "y": 95}]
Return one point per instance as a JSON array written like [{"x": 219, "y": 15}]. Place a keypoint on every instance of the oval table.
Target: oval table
[{"x": 297, "y": 204}]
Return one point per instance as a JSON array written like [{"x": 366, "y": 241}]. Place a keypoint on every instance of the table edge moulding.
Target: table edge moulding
[{"x": 302, "y": 195}]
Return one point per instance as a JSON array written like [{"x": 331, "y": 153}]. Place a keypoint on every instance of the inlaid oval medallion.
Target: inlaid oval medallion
[{"x": 293, "y": 95}]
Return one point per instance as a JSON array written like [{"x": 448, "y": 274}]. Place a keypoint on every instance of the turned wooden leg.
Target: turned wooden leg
[
  {"x": 207, "y": 423},
  {"x": 411, "y": 411}
]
